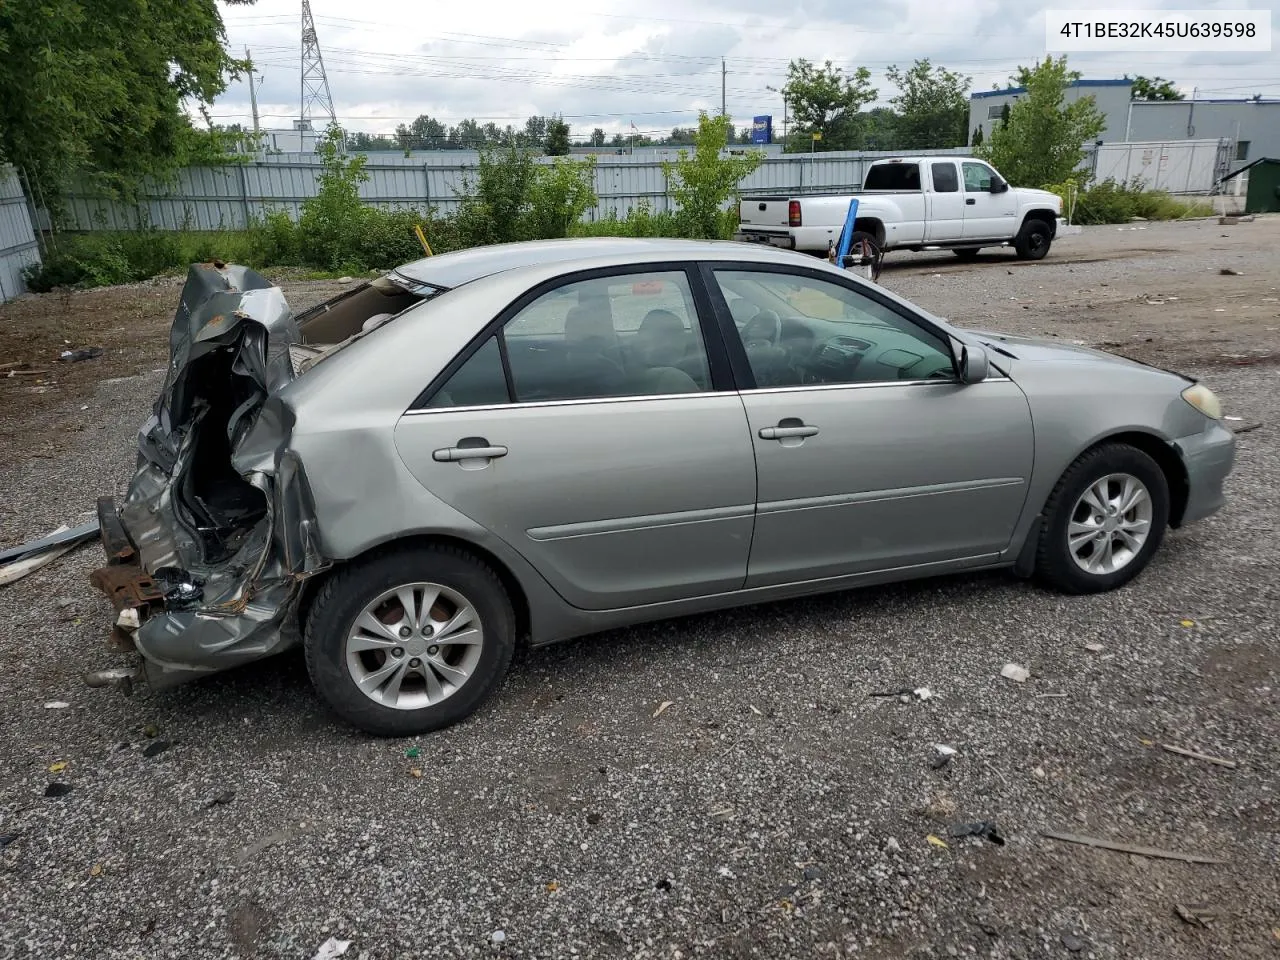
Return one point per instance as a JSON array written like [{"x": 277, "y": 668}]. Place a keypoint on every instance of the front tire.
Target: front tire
[
  {"x": 1033, "y": 240},
  {"x": 410, "y": 641},
  {"x": 1104, "y": 520}
]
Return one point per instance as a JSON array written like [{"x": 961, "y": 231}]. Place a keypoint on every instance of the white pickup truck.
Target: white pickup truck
[{"x": 913, "y": 203}]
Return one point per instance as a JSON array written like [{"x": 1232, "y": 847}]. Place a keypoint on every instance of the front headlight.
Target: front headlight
[{"x": 1204, "y": 400}]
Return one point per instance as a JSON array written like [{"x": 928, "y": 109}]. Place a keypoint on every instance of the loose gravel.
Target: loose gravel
[{"x": 776, "y": 809}]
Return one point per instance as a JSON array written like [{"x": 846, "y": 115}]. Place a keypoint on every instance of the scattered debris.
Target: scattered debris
[
  {"x": 57, "y": 789},
  {"x": 1196, "y": 914},
  {"x": 812, "y": 873},
  {"x": 922, "y": 693},
  {"x": 1247, "y": 428},
  {"x": 727, "y": 873},
  {"x": 39, "y": 553},
  {"x": 900, "y": 692},
  {"x": 415, "y": 772},
  {"x": 222, "y": 799},
  {"x": 664, "y": 885},
  {"x": 1139, "y": 851},
  {"x": 940, "y": 807},
  {"x": 723, "y": 813},
  {"x": 552, "y": 886},
  {"x": 892, "y": 845},
  {"x": 937, "y": 841},
  {"x": 75, "y": 356},
  {"x": 412, "y": 753},
  {"x": 151, "y": 731},
  {"x": 986, "y": 829},
  {"x": 333, "y": 947},
  {"x": 1230, "y": 272},
  {"x": 1039, "y": 773},
  {"x": 1187, "y": 623},
  {"x": 1015, "y": 672},
  {"x": 755, "y": 710},
  {"x": 155, "y": 748},
  {"x": 944, "y": 756},
  {"x": 786, "y": 892},
  {"x": 1094, "y": 647},
  {"x": 1072, "y": 942},
  {"x": 662, "y": 707},
  {"x": 6, "y": 839},
  {"x": 58, "y": 767},
  {"x": 56, "y": 705},
  {"x": 594, "y": 818},
  {"x": 113, "y": 677},
  {"x": 498, "y": 936},
  {"x": 1182, "y": 751}
]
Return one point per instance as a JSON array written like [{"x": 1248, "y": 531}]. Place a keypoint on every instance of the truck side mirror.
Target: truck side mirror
[{"x": 998, "y": 185}]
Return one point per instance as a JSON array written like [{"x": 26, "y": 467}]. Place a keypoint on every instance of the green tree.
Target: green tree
[
  {"x": 597, "y": 137},
  {"x": 325, "y": 225},
  {"x": 1004, "y": 114},
  {"x": 561, "y": 192},
  {"x": 977, "y": 137},
  {"x": 100, "y": 88},
  {"x": 1043, "y": 140},
  {"x": 515, "y": 198},
  {"x": 557, "y": 141},
  {"x": 932, "y": 104},
  {"x": 876, "y": 129},
  {"x": 823, "y": 99},
  {"x": 1154, "y": 88},
  {"x": 701, "y": 183}
]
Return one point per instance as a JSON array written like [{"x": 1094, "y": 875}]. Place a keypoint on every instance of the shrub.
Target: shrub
[
  {"x": 701, "y": 184},
  {"x": 513, "y": 198},
  {"x": 92, "y": 260},
  {"x": 1110, "y": 201}
]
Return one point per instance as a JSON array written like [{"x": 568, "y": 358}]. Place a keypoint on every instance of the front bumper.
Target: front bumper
[{"x": 1208, "y": 458}]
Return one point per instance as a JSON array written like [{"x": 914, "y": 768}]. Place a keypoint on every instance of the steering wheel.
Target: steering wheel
[{"x": 761, "y": 331}]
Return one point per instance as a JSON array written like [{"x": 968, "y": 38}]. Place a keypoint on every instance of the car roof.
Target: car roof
[{"x": 450, "y": 270}]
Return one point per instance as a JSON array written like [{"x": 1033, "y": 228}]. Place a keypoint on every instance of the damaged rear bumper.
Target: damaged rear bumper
[{"x": 208, "y": 551}]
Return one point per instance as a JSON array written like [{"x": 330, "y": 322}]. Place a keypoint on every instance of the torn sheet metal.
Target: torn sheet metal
[
  {"x": 62, "y": 536},
  {"x": 223, "y": 536}
]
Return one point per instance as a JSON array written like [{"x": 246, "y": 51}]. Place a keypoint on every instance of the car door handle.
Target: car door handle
[
  {"x": 448, "y": 454},
  {"x": 784, "y": 433},
  {"x": 970, "y": 200}
]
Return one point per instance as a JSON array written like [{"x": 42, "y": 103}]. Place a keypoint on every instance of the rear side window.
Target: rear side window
[
  {"x": 478, "y": 382},
  {"x": 945, "y": 179},
  {"x": 893, "y": 176}
]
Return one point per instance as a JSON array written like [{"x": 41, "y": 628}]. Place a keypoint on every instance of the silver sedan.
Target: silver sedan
[{"x": 533, "y": 442}]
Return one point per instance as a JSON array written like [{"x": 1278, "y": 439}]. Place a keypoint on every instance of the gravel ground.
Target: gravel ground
[{"x": 775, "y": 809}]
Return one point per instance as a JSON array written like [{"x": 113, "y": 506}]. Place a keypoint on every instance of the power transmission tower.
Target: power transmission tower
[{"x": 315, "y": 85}]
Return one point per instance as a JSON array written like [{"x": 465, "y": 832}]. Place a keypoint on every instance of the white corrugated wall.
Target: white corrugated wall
[{"x": 18, "y": 248}]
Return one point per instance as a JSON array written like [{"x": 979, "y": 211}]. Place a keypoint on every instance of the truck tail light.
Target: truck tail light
[{"x": 793, "y": 213}]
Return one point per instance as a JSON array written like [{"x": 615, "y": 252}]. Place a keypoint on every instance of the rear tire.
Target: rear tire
[
  {"x": 1033, "y": 240},
  {"x": 1080, "y": 553},
  {"x": 449, "y": 678}
]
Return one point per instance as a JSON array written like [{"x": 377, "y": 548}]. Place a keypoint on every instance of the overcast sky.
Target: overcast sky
[{"x": 611, "y": 63}]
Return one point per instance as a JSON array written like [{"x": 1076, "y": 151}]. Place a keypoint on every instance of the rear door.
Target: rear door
[
  {"x": 945, "y": 217},
  {"x": 987, "y": 215},
  {"x": 598, "y": 434}
]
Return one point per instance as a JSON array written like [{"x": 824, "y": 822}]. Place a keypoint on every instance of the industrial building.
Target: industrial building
[{"x": 1111, "y": 96}]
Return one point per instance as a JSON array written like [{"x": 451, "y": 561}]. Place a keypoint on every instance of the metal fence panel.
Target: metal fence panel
[
  {"x": 1180, "y": 167},
  {"x": 18, "y": 248},
  {"x": 229, "y": 197}
]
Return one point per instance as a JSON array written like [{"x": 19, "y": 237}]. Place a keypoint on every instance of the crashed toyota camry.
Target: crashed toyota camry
[{"x": 533, "y": 442}]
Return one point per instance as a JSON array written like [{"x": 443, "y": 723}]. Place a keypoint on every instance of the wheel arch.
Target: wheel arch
[
  {"x": 1047, "y": 216},
  {"x": 510, "y": 582},
  {"x": 871, "y": 225},
  {"x": 1159, "y": 450}
]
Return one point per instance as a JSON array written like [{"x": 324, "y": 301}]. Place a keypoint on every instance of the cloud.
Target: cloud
[{"x": 607, "y": 62}]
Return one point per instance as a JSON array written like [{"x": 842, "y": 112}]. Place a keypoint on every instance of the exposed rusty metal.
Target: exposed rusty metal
[{"x": 127, "y": 585}]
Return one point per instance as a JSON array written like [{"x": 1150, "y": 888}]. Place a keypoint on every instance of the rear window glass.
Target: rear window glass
[{"x": 893, "y": 176}]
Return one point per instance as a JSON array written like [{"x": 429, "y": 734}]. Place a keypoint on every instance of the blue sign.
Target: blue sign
[{"x": 762, "y": 130}]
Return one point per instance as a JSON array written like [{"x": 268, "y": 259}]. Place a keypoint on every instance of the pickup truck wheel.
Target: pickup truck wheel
[{"x": 1032, "y": 241}]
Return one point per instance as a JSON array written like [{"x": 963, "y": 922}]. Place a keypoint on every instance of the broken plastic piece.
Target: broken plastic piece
[
  {"x": 1015, "y": 672},
  {"x": 986, "y": 829},
  {"x": 333, "y": 947}
]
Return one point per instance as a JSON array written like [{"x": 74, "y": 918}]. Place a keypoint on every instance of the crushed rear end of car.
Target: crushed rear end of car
[{"x": 208, "y": 550}]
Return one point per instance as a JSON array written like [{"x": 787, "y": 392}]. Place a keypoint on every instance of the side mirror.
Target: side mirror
[
  {"x": 973, "y": 363},
  {"x": 998, "y": 185}
]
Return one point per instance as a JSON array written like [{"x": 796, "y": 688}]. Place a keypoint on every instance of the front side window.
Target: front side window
[
  {"x": 977, "y": 177},
  {"x": 801, "y": 330}
]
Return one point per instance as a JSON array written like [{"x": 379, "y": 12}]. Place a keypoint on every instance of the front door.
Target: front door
[
  {"x": 987, "y": 215},
  {"x": 870, "y": 454},
  {"x": 621, "y": 469}
]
